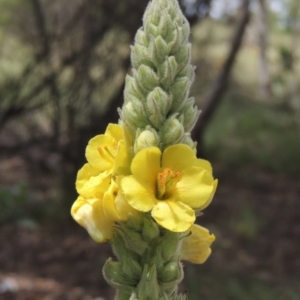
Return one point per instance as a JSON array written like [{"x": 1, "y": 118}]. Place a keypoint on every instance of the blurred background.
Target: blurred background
[{"x": 62, "y": 69}]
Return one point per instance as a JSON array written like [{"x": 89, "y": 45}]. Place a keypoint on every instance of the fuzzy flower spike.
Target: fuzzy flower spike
[
  {"x": 156, "y": 96},
  {"x": 143, "y": 186}
]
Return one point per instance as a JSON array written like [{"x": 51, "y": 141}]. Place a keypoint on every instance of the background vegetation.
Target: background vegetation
[{"x": 62, "y": 68}]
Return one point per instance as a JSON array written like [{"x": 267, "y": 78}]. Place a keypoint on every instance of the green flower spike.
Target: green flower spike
[
  {"x": 148, "y": 266},
  {"x": 158, "y": 113},
  {"x": 156, "y": 96}
]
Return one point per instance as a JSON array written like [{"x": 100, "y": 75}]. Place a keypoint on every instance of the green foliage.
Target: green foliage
[
  {"x": 5, "y": 10},
  {"x": 286, "y": 58},
  {"x": 261, "y": 134},
  {"x": 12, "y": 202}
]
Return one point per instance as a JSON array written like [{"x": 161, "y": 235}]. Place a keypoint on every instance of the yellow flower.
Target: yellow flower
[
  {"x": 108, "y": 151},
  {"x": 172, "y": 185},
  {"x": 196, "y": 246},
  {"x": 98, "y": 214},
  {"x": 100, "y": 203}
]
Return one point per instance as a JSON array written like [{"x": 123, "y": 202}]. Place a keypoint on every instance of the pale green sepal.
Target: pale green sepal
[
  {"x": 180, "y": 297},
  {"x": 145, "y": 139},
  {"x": 187, "y": 140},
  {"x": 127, "y": 258},
  {"x": 135, "y": 222},
  {"x": 131, "y": 88},
  {"x": 174, "y": 45},
  {"x": 172, "y": 273},
  {"x": 148, "y": 287},
  {"x": 158, "y": 103},
  {"x": 141, "y": 38},
  {"x": 179, "y": 90},
  {"x": 133, "y": 115},
  {"x": 165, "y": 27},
  {"x": 190, "y": 115},
  {"x": 115, "y": 276},
  {"x": 150, "y": 230},
  {"x": 167, "y": 72},
  {"x": 140, "y": 56},
  {"x": 171, "y": 132},
  {"x": 183, "y": 56},
  {"x": 146, "y": 78},
  {"x": 169, "y": 245},
  {"x": 123, "y": 295},
  {"x": 133, "y": 240},
  {"x": 160, "y": 50}
]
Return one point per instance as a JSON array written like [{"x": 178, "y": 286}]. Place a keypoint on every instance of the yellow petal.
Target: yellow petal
[
  {"x": 115, "y": 131},
  {"x": 123, "y": 208},
  {"x": 92, "y": 151},
  {"x": 196, "y": 246},
  {"x": 215, "y": 184},
  {"x": 84, "y": 174},
  {"x": 178, "y": 157},
  {"x": 90, "y": 183},
  {"x": 109, "y": 206},
  {"x": 195, "y": 187},
  {"x": 204, "y": 164},
  {"x": 137, "y": 195},
  {"x": 174, "y": 216},
  {"x": 122, "y": 164},
  {"x": 145, "y": 167},
  {"x": 89, "y": 214}
]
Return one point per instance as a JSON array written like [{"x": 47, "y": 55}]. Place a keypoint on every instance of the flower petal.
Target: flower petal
[
  {"x": 178, "y": 157},
  {"x": 109, "y": 206},
  {"x": 122, "y": 164},
  {"x": 90, "y": 183},
  {"x": 204, "y": 164},
  {"x": 145, "y": 167},
  {"x": 174, "y": 216},
  {"x": 89, "y": 214},
  {"x": 215, "y": 184},
  {"x": 92, "y": 153},
  {"x": 196, "y": 246},
  {"x": 115, "y": 131},
  {"x": 123, "y": 208},
  {"x": 137, "y": 195},
  {"x": 195, "y": 187}
]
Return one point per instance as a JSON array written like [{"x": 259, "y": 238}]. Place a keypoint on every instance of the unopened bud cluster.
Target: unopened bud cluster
[
  {"x": 156, "y": 96},
  {"x": 149, "y": 264}
]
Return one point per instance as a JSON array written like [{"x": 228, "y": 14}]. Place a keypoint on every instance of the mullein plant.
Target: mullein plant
[{"x": 143, "y": 186}]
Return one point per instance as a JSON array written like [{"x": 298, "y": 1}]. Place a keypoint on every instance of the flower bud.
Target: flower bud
[
  {"x": 148, "y": 287},
  {"x": 186, "y": 139},
  {"x": 157, "y": 106},
  {"x": 167, "y": 71},
  {"x": 183, "y": 55},
  {"x": 150, "y": 229},
  {"x": 131, "y": 88},
  {"x": 115, "y": 276},
  {"x": 179, "y": 90},
  {"x": 133, "y": 240},
  {"x": 133, "y": 113},
  {"x": 160, "y": 50},
  {"x": 146, "y": 138},
  {"x": 190, "y": 115},
  {"x": 146, "y": 78},
  {"x": 165, "y": 26},
  {"x": 170, "y": 245},
  {"x": 171, "y": 272},
  {"x": 141, "y": 38},
  {"x": 171, "y": 132}
]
